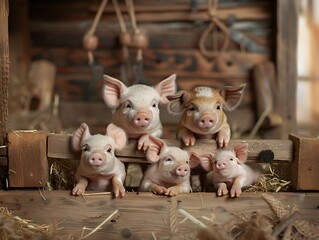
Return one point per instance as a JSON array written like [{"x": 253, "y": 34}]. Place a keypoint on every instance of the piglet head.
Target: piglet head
[
  {"x": 136, "y": 108},
  {"x": 173, "y": 162},
  {"x": 226, "y": 162},
  {"x": 203, "y": 107},
  {"x": 98, "y": 150}
]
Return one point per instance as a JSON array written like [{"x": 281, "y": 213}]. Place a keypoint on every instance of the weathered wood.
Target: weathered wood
[
  {"x": 28, "y": 164},
  {"x": 287, "y": 21},
  {"x": 150, "y": 11},
  {"x": 4, "y": 69},
  {"x": 143, "y": 215},
  {"x": 282, "y": 149},
  {"x": 59, "y": 147},
  {"x": 305, "y": 164}
]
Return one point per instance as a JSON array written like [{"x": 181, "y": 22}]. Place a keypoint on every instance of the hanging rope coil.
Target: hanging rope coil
[{"x": 213, "y": 27}]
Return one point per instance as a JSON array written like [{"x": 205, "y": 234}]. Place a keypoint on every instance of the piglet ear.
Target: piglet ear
[
  {"x": 204, "y": 159},
  {"x": 166, "y": 87},
  {"x": 177, "y": 101},
  {"x": 232, "y": 96},
  {"x": 154, "y": 150},
  {"x": 241, "y": 151},
  {"x": 112, "y": 91},
  {"x": 118, "y": 135},
  {"x": 80, "y": 135}
]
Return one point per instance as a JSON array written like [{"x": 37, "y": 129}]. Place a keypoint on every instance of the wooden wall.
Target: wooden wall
[{"x": 174, "y": 29}]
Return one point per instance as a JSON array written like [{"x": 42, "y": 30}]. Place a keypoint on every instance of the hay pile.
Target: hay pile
[
  {"x": 269, "y": 182},
  {"x": 284, "y": 223},
  {"x": 15, "y": 228}
]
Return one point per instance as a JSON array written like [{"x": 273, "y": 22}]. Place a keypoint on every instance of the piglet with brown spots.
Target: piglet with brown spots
[
  {"x": 99, "y": 169},
  {"x": 203, "y": 113}
]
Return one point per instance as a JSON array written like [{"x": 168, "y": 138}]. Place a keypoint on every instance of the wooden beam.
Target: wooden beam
[
  {"x": 59, "y": 147},
  {"x": 286, "y": 64},
  {"x": 305, "y": 164},
  {"x": 141, "y": 215},
  {"x": 4, "y": 69},
  {"x": 28, "y": 164}
]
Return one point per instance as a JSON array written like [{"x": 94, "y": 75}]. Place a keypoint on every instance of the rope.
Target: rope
[
  {"x": 130, "y": 6},
  {"x": 92, "y": 30},
  {"x": 119, "y": 15},
  {"x": 215, "y": 23}
]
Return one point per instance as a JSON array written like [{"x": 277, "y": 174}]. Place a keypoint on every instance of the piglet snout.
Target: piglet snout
[
  {"x": 182, "y": 170},
  {"x": 142, "y": 119},
  {"x": 206, "y": 121},
  {"x": 221, "y": 165},
  {"x": 96, "y": 159}
]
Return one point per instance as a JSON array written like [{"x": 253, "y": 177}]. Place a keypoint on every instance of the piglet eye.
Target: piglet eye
[
  {"x": 168, "y": 160},
  {"x": 231, "y": 159},
  {"x": 191, "y": 108},
  {"x": 154, "y": 105},
  {"x": 218, "y": 107},
  {"x": 187, "y": 162},
  {"x": 85, "y": 148},
  {"x": 109, "y": 150},
  {"x": 128, "y": 105}
]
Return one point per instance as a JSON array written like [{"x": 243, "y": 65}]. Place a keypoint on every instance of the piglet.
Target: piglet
[
  {"x": 229, "y": 169},
  {"x": 99, "y": 169},
  {"x": 169, "y": 171},
  {"x": 136, "y": 108},
  {"x": 203, "y": 113}
]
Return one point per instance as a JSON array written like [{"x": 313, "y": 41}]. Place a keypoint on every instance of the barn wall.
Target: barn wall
[{"x": 174, "y": 30}]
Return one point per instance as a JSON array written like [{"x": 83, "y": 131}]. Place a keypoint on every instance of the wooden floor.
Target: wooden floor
[{"x": 142, "y": 215}]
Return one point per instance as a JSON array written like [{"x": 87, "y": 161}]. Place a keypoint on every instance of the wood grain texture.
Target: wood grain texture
[
  {"x": 141, "y": 214},
  {"x": 28, "y": 164},
  {"x": 305, "y": 165},
  {"x": 59, "y": 147},
  {"x": 4, "y": 69}
]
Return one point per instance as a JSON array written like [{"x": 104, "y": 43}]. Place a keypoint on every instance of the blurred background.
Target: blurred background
[{"x": 272, "y": 46}]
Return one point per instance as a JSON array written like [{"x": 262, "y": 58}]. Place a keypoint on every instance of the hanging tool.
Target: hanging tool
[
  {"x": 135, "y": 40},
  {"x": 91, "y": 42}
]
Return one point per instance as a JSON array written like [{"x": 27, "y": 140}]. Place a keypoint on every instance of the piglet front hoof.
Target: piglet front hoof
[
  {"x": 143, "y": 142},
  {"x": 160, "y": 190},
  {"x": 119, "y": 191},
  {"x": 222, "y": 190},
  {"x": 78, "y": 190},
  {"x": 222, "y": 140},
  {"x": 189, "y": 140},
  {"x": 172, "y": 191},
  {"x": 235, "y": 191}
]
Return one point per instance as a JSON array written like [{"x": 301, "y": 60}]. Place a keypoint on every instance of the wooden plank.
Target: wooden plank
[
  {"x": 287, "y": 21},
  {"x": 144, "y": 215},
  {"x": 151, "y": 13},
  {"x": 28, "y": 163},
  {"x": 282, "y": 149},
  {"x": 305, "y": 164},
  {"x": 4, "y": 69},
  {"x": 59, "y": 147}
]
